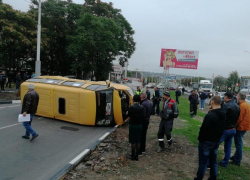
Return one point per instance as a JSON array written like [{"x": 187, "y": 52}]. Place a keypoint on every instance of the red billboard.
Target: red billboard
[{"x": 176, "y": 58}]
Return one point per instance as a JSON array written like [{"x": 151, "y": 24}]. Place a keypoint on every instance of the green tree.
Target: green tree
[
  {"x": 233, "y": 79},
  {"x": 58, "y": 22},
  {"x": 17, "y": 37},
  {"x": 219, "y": 81},
  {"x": 126, "y": 44},
  {"x": 94, "y": 45}
]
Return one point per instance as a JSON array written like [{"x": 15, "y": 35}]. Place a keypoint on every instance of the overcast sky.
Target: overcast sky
[{"x": 219, "y": 30}]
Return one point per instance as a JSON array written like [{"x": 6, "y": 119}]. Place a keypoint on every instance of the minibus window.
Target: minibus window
[
  {"x": 104, "y": 108},
  {"x": 61, "y": 102},
  {"x": 92, "y": 87}
]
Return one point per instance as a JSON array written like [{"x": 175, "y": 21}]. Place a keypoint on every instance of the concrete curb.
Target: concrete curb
[
  {"x": 74, "y": 162},
  {"x": 11, "y": 102}
]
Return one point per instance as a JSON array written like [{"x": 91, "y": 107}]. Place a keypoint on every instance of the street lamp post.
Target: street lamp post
[{"x": 38, "y": 62}]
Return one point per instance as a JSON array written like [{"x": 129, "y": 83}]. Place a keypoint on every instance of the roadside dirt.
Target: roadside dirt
[
  {"x": 5, "y": 96},
  {"x": 109, "y": 160}
]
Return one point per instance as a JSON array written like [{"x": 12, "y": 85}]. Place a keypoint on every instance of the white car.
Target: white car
[{"x": 160, "y": 86}]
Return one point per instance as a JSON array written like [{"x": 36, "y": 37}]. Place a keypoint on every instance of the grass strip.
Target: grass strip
[{"x": 191, "y": 131}]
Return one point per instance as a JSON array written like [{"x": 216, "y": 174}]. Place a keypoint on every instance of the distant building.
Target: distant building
[
  {"x": 117, "y": 72},
  {"x": 245, "y": 82}
]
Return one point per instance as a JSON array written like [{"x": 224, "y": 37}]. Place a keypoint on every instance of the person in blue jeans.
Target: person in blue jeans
[
  {"x": 209, "y": 137},
  {"x": 203, "y": 97},
  {"x": 243, "y": 125},
  {"x": 29, "y": 106},
  {"x": 232, "y": 111}
]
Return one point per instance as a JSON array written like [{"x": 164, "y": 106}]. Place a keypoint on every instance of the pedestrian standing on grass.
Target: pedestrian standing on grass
[
  {"x": 194, "y": 101},
  {"x": 156, "y": 101},
  {"x": 243, "y": 125},
  {"x": 169, "y": 112},
  {"x": 177, "y": 94},
  {"x": 30, "y": 103},
  {"x": 203, "y": 98},
  {"x": 209, "y": 137},
  {"x": 137, "y": 114},
  {"x": 148, "y": 108},
  {"x": 232, "y": 111}
]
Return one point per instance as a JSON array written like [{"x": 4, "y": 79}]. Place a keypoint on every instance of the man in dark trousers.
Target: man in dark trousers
[
  {"x": 209, "y": 137},
  {"x": 18, "y": 81},
  {"x": 232, "y": 111},
  {"x": 148, "y": 107},
  {"x": 156, "y": 101},
  {"x": 148, "y": 93},
  {"x": 169, "y": 112},
  {"x": 30, "y": 103},
  {"x": 194, "y": 101},
  {"x": 10, "y": 78},
  {"x": 2, "y": 80},
  {"x": 177, "y": 94}
]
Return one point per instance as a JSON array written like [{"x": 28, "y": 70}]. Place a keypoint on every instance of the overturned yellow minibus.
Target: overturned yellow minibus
[{"x": 82, "y": 102}]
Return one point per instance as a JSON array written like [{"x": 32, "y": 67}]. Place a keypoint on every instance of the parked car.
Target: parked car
[{"x": 150, "y": 85}]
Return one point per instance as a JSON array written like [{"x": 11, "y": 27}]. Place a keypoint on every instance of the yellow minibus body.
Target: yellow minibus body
[{"x": 78, "y": 101}]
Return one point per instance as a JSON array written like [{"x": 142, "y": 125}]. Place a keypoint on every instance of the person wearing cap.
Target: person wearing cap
[
  {"x": 232, "y": 111},
  {"x": 29, "y": 106},
  {"x": 168, "y": 114},
  {"x": 242, "y": 126},
  {"x": 136, "y": 113}
]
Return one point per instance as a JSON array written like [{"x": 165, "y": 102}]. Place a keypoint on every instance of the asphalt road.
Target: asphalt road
[{"x": 21, "y": 159}]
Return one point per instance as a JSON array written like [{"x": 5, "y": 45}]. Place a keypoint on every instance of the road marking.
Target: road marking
[
  {"x": 10, "y": 126},
  {"x": 104, "y": 136},
  {"x": 77, "y": 158},
  {"x": 9, "y": 106}
]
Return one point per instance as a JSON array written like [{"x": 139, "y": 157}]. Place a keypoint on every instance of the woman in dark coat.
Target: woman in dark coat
[{"x": 136, "y": 113}]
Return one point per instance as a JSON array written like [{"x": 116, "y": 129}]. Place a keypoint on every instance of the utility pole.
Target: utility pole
[
  {"x": 38, "y": 62},
  {"x": 126, "y": 68}
]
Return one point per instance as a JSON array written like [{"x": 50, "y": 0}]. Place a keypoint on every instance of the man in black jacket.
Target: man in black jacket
[
  {"x": 30, "y": 103},
  {"x": 148, "y": 93},
  {"x": 232, "y": 111},
  {"x": 177, "y": 95},
  {"x": 148, "y": 107},
  {"x": 156, "y": 101},
  {"x": 209, "y": 137},
  {"x": 194, "y": 101}
]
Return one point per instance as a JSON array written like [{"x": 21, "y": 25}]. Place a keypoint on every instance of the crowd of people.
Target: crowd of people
[
  {"x": 140, "y": 113},
  {"x": 221, "y": 124},
  {"x": 6, "y": 79}
]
